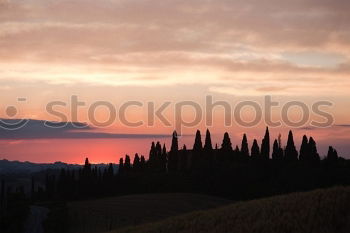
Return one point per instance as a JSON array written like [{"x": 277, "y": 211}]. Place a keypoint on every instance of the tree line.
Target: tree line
[{"x": 233, "y": 172}]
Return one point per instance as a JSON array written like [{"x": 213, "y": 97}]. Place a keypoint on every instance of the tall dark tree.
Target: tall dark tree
[
  {"x": 174, "y": 142},
  {"x": 152, "y": 153},
  {"x": 304, "y": 149},
  {"x": 275, "y": 150},
  {"x": 142, "y": 163},
  {"x": 197, "y": 147},
  {"x": 127, "y": 163},
  {"x": 265, "y": 145},
  {"x": 121, "y": 166},
  {"x": 244, "y": 146},
  {"x": 87, "y": 166},
  {"x": 183, "y": 159},
  {"x": 255, "y": 151},
  {"x": 208, "y": 145},
  {"x": 291, "y": 153},
  {"x": 137, "y": 163},
  {"x": 173, "y": 159},
  {"x": 332, "y": 155},
  {"x": 314, "y": 156},
  {"x": 164, "y": 159},
  {"x": 226, "y": 143}
]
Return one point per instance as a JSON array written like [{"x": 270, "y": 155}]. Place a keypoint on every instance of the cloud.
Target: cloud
[
  {"x": 137, "y": 42},
  {"x": 38, "y": 129},
  {"x": 343, "y": 125}
]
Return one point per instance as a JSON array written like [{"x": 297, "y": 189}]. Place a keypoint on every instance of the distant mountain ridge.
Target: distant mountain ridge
[{"x": 15, "y": 167}]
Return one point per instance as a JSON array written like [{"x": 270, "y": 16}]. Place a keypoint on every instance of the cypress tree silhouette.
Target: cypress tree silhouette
[
  {"x": 197, "y": 147},
  {"x": 196, "y": 159},
  {"x": 127, "y": 163},
  {"x": 142, "y": 163},
  {"x": 174, "y": 142},
  {"x": 164, "y": 159},
  {"x": 226, "y": 150},
  {"x": 332, "y": 155},
  {"x": 183, "y": 159},
  {"x": 265, "y": 145},
  {"x": 208, "y": 147},
  {"x": 255, "y": 151},
  {"x": 314, "y": 156},
  {"x": 173, "y": 154},
  {"x": 152, "y": 157},
  {"x": 158, "y": 157},
  {"x": 226, "y": 145},
  {"x": 87, "y": 166},
  {"x": 304, "y": 149},
  {"x": 291, "y": 153},
  {"x": 121, "y": 166},
  {"x": 137, "y": 163},
  {"x": 244, "y": 146},
  {"x": 275, "y": 151}
]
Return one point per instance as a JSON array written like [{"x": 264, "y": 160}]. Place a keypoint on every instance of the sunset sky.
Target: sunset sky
[{"x": 170, "y": 50}]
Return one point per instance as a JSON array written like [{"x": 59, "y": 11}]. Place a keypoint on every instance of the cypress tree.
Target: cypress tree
[
  {"x": 265, "y": 145},
  {"x": 121, "y": 166},
  {"x": 332, "y": 155},
  {"x": 244, "y": 146},
  {"x": 304, "y": 149},
  {"x": 291, "y": 153},
  {"x": 164, "y": 159},
  {"x": 275, "y": 150},
  {"x": 255, "y": 151},
  {"x": 142, "y": 163},
  {"x": 136, "y": 163},
  {"x": 173, "y": 154},
  {"x": 174, "y": 143},
  {"x": 314, "y": 156},
  {"x": 127, "y": 163},
  {"x": 207, "y": 145},
  {"x": 226, "y": 143},
  {"x": 197, "y": 147}
]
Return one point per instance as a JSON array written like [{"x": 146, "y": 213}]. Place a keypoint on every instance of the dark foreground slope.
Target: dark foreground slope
[
  {"x": 320, "y": 211},
  {"x": 105, "y": 214}
]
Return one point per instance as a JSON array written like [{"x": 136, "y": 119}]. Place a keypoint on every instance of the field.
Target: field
[
  {"x": 112, "y": 213},
  {"x": 320, "y": 211}
]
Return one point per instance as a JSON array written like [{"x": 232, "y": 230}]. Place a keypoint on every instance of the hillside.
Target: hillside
[
  {"x": 111, "y": 213},
  {"x": 320, "y": 211}
]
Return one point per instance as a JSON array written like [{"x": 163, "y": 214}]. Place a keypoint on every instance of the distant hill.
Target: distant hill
[
  {"x": 326, "y": 211},
  {"x": 15, "y": 167}
]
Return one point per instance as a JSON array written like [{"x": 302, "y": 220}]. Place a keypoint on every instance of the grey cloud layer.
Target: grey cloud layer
[{"x": 37, "y": 129}]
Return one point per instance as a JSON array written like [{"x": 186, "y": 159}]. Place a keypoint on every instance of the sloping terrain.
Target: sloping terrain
[
  {"x": 320, "y": 211},
  {"x": 112, "y": 213}
]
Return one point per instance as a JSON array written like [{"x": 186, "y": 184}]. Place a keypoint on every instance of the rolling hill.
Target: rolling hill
[
  {"x": 115, "y": 212},
  {"x": 320, "y": 211}
]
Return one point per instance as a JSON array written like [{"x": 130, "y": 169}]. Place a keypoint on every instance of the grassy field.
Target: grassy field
[
  {"x": 112, "y": 213},
  {"x": 320, "y": 211}
]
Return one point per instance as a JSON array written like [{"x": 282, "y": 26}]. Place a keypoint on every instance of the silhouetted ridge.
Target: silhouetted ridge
[{"x": 233, "y": 173}]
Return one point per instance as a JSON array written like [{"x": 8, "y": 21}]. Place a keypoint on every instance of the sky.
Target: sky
[{"x": 170, "y": 50}]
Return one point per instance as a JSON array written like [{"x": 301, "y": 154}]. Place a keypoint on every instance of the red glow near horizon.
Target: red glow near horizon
[{"x": 111, "y": 150}]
